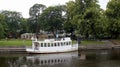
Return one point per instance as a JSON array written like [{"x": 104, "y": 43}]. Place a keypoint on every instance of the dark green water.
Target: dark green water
[{"x": 101, "y": 58}]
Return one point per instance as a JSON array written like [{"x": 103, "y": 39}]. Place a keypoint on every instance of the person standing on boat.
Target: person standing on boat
[{"x": 57, "y": 36}]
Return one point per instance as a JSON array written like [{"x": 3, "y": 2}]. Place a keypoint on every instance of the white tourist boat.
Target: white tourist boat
[{"x": 52, "y": 46}]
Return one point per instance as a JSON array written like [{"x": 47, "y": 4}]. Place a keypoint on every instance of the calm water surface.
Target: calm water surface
[{"x": 101, "y": 58}]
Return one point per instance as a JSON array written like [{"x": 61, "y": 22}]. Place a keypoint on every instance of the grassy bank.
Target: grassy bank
[
  {"x": 19, "y": 42},
  {"x": 15, "y": 42},
  {"x": 92, "y": 42},
  {"x": 85, "y": 42}
]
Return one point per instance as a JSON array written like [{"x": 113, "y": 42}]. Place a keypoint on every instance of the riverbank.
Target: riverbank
[
  {"x": 108, "y": 45},
  {"x": 15, "y": 42},
  {"x": 22, "y": 42},
  {"x": 12, "y": 49},
  {"x": 21, "y": 49}
]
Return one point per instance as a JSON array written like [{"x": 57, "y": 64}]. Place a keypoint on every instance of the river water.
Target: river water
[{"x": 90, "y": 58}]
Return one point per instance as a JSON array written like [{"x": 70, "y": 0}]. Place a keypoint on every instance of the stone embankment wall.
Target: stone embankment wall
[{"x": 12, "y": 49}]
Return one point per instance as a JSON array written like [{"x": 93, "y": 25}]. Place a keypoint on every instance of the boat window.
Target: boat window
[
  {"x": 45, "y": 61},
  {"x": 55, "y": 61},
  {"x": 58, "y": 60},
  {"x": 52, "y": 44},
  {"x": 61, "y": 44},
  {"x": 55, "y": 44},
  {"x": 64, "y": 43},
  {"x": 51, "y": 61},
  {"x": 45, "y": 45},
  {"x": 48, "y": 61},
  {"x": 41, "y": 44},
  {"x": 41, "y": 61},
  {"x": 48, "y": 44},
  {"x": 58, "y": 44}
]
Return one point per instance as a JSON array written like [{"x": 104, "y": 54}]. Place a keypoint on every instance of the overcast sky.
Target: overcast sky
[{"x": 24, "y": 5}]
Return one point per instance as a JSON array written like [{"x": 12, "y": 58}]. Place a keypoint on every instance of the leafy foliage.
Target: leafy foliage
[
  {"x": 52, "y": 19},
  {"x": 3, "y": 26},
  {"x": 85, "y": 17},
  {"x": 35, "y": 11},
  {"x": 12, "y": 20},
  {"x": 80, "y": 17},
  {"x": 113, "y": 15}
]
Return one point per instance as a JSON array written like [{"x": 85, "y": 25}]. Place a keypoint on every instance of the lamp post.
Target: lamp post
[{"x": 37, "y": 28}]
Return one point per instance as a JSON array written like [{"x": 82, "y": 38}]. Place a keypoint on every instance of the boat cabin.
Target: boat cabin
[{"x": 53, "y": 43}]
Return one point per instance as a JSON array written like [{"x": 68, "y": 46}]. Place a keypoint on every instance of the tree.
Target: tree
[
  {"x": 24, "y": 26},
  {"x": 12, "y": 20},
  {"x": 52, "y": 19},
  {"x": 35, "y": 12},
  {"x": 92, "y": 25},
  {"x": 113, "y": 15},
  {"x": 75, "y": 12},
  {"x": 70, "y": 24},
  {"x": 36, "y": 9},
  {"x": 1, "y": 31},
  {"x": 3, "y": 26},
  {"x": 85, "y": 16}
]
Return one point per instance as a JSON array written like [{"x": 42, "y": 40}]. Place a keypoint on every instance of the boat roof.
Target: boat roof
[{"x": 55, "y": 40}]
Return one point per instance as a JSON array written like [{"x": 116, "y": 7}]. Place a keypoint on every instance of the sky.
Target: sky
[{"x": 23, "y": 6}]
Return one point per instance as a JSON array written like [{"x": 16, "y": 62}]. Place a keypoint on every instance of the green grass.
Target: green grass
[
  {"x": 15, "y": 42},
  {"x": 19, "y": 42},
  {"x": 85, "y": 42},
  {"x": 92, "y": 42}
]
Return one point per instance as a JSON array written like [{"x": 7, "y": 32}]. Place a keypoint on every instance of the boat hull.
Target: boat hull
[
  {"x": 38, "y": 52},
  {"x": 52, "y": 49}
]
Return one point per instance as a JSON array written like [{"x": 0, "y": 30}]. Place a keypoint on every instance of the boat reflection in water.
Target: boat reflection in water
[
  {"x": 51, "y": 59},
  {"x": 91, "y": 58}
]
